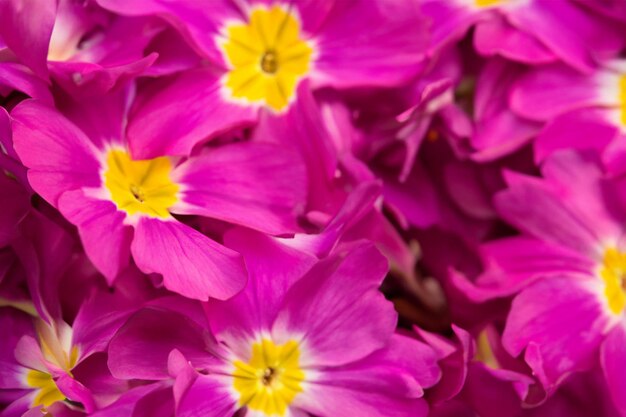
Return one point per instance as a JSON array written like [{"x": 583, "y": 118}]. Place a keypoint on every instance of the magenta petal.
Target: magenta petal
[
  {"x": 579, "y": 179},
  {"x": 15, "y": 324},
  {"x": 101, "y": 118},
  {"x": 156, "y": 127},
  {"x": 60, "y": 156},
  {"x": 273, "y": 269},
  {"x": 496, "y": 36},
  {"x": 75, "y": 391},
  {"x": 98, "y": 319},
  {"x": 132, "y": 402},
  {"x": 356, "y": 206},
  {"x": 492, "y": 392},
  {"x": 208, "y": 396},
  {"x": 21, "y": 406},
  {"x": 384, "y": 46},
  {"x": 453, "y": 361},
  {"x": 85, "y": 79},
  {"x": 498, "y": 130},
  {"x": 568, "y": 31},
  {"x": 191, "y": 264},
  {"x": 28, "y": 353},
  {"x": 18, "y": 77},
  {"x": 580, "y": 129},
  {"x": 450, "y": 21},
  {"x": 261, "y": 186},
  {"x": 563, "y": 226},
  {"x": 140, "y": 349},
  {"x": 613, "y": 364},
  {"x": 338, "y": 310},
  {"x": 615, "y": 9},
  {"x": 553, "y": 313},
  {"x": 512, "y": 263},
  {"x": 14, "y": 201},
  {"x": 414, "y": 357},
  {"x": 102, "y": 231},
  {"x": 340, "y": 399},
  {"x": 302, "y": 128},
  {"x": 26, "y": 27},
  {"x": 9, "y": 160},
  {"x": 546, "y": 92},
  {"x": 200, "y": 22}
]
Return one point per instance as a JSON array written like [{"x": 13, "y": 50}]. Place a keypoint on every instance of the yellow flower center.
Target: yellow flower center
[
  {"x": 267, "y": 57},
  {"x": 487, "y": 3},
  {"x": 613, "y": 273},
  {"x": 55, "y": 343},
  {"x": 271, "y": 379},
  {"x": 143, "y": 186},
  {"x": 484, "y": 352},
  {"x": 622, "y": 99},
  {"x": 48, "y": 393}
]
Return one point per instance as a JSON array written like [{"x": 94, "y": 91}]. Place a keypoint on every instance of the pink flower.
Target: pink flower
[
  {"x": 259, "y": 52},
  {"x": 565, "y": 269},
  {"x": 124, "y": 206},
  {"x": 287, "y": 344}
]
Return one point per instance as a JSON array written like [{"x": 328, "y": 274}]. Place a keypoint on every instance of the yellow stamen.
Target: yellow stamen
[
  {"x": 56, "y": 344},
  {"x": 484, "y": 352},
  {"x": 622, "y": 99},
  {"x": 613, "y": 273},
  {"x": 48, "y": 393},
  {"x": 141, "y": 186},
  {"x": 487, "y": 3},
  {"x": 271, "y": 379},
  {"x": 267, "y": 57}
]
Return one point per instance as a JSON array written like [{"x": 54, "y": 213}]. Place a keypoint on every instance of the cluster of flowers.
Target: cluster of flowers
[{"x": 330, "y": 208}]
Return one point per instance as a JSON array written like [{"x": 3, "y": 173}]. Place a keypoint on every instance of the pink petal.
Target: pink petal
[
  {"x": 60, "y": 156},
  {"x": 208, "y": 396},
  {"x": 140, "y": 349},
  {"x": 156, "y": 127},
  {"x": 553, "y": 313},
  {"x": 102, "y": 231},
  {"x": 337, "y": 309},
  {"x": 191, "y": 264},
  {"x": 384, "y": 46},
  {"x": 613, "y": 364},
  {"x": 26, "y": 27},
  {"x": 261, "y": 186},
  {"x": 273, "y": 269}
]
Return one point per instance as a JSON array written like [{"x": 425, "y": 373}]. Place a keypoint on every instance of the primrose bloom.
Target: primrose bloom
[
  {"x": 305, "y": 337},
  {"x": 77, "y": 44},
  {"x": 260, "y": 51},
  {"x": 584, "y": 111},
  {"x": 37, "y": 359},
  {"x": 122, "y": 205},
  {"x": 569, "y": 267},
  {"x": 529, "y": 31}
]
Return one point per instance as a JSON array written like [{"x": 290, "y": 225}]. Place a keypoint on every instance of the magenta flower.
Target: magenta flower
[
  {"x": 528, "y": 31},
  {"x": 259, "y": 52},
  {"x": 312, "y": 208},
  {"x": 583, "y": 111},
  {"x": 286, "y": 345},
  {"x": 567, "y": 266},
  {"x": 77, "y": 44},
  {"x": 43, "y": 357},
  {"x": 123, "y": 206}
]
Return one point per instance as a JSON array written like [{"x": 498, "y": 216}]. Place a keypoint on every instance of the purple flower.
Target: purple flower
[
  {"x": 123, "y": 206},
  {"x": 567, "y": 267},
  {"x": 287, "y": 344},
  {"x": 259, "y": 52}
]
